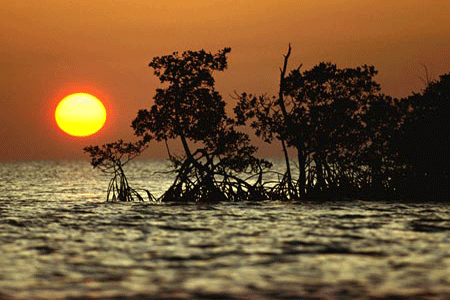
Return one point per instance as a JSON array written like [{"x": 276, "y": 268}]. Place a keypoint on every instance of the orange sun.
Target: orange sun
[{"x": 80, "y": 114}]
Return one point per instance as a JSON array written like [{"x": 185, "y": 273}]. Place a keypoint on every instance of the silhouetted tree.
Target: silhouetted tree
[
  {"x": 350, "y": 139},
  {"x": 425, "y": 142},
  {"x": 270, "y": 119},
  {"x": 377, "y": 154},
  {"x": 191, "y": 110},
  {"x": 324, "y": 113},
  {"x": 110, "y": 159}
]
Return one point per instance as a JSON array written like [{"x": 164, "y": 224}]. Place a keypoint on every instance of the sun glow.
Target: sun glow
[{"x": 80, "y": 114}]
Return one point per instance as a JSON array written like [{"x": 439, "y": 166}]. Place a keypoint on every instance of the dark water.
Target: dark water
[{"x": 60, "y": 240}]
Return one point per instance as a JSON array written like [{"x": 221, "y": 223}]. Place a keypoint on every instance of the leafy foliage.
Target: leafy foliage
[
  {"x": 337, "y": 121},
  {"x": 350, "y": 139},
  {"x": 424, "y": 142},
  {"x": 190, "y": 110},
  {"x": 189, "y": 107}
]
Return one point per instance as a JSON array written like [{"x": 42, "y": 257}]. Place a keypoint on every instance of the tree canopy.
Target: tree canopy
[{"x": 350, "y": 139}]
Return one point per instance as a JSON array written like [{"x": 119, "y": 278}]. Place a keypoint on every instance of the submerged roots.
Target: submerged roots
[
  {"x": 120, "y": 190},
  {"x": 196, "y": 184}
]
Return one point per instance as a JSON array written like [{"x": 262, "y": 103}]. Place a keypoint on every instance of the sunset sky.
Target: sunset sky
[{"x": 50, "y": 48}]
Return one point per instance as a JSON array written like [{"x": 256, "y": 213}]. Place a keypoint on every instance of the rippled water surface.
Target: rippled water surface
[{"x": 59, "y": 239}]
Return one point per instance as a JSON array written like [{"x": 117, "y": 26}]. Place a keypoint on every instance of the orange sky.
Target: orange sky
[{"x": 49, "y": 46}]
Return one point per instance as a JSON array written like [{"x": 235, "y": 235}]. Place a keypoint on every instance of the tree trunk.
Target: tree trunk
[
  {"x": 302, "y": 171},
  {"x": 319, "y": 171},
  {"x": 285, "y": 116}
]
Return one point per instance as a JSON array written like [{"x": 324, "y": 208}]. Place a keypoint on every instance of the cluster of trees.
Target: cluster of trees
[{"x": 350, "y": 139}]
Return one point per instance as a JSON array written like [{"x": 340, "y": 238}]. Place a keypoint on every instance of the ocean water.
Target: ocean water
[{"x": 59, "y": 239}]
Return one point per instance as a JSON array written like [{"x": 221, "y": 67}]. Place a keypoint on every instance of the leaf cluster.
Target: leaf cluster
[{"x": 189, "y": 106}]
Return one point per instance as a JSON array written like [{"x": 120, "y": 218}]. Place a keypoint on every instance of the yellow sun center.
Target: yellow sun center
[{"x": 80, "y": 114}]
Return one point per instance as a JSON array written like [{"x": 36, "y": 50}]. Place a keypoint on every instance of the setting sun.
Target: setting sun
[{"x": 80, "y": 114}]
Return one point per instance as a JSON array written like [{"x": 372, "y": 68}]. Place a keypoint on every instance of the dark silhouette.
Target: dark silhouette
[
  {"x": 350, "y": 139},
  {"x": 337, "y": 120},
  {"x": 424, "y": 143},
  {"x": 271, "y": 120},
  {"x": 108, "y": 158},
  {"x": 191, "y": 110}
]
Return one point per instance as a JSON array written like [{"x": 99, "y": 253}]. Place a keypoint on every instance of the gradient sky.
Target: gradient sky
[{"x": 49, "y": 48}]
